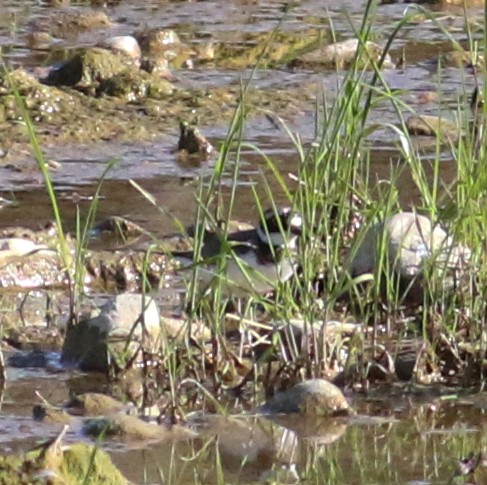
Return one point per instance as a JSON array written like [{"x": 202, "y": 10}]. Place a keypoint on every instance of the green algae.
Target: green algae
[
  {"x": 268, "y": 49},
  {"x": 11, "y": 471},
  {"x": 87, "y": 69},
  {"x": 97, "y": 95},
  {"x": 123, "y": 426},
  {"x": 71, "y": 467},
  {"x": 133, "y": 86},
  {"x": 64, "y": 114},
  {"x": 95, "y": 404},
  {"x": 131, "y": 428},
  {"x": 81, "y": 461}
]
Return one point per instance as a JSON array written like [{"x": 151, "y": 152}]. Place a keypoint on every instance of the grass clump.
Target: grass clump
[{"x": 336, "y": 191}]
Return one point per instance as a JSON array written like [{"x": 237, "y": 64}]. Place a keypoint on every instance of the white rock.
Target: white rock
[
  {"x": 412, "y": 241},
  {"x": 16, "y": 247},
  {"x": 119, "y": 314},
  {"x": 124, "y": 44}
]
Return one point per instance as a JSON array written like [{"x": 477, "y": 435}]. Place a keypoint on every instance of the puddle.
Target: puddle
[{"x": 420, "y": 444}]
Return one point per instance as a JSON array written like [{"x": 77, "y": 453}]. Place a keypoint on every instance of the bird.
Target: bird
[{"x": 253, "y": 261}]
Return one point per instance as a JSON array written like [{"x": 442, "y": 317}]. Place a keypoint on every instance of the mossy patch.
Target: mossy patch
[
  {"x": 283, "y": 47},
  {"x": 87, "y": 69},
  {"x": 135, "y": 85},
  {"x": 80, "y": 461},
  {"x": 122, "y": 103},
  {"x": 76, "y": 463}
]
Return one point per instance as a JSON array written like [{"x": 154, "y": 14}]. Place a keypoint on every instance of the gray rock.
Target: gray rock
[
  {"x": 157, "y": 41},
  {"x": 460, "y": 58},
  {"x": 316, "y": 397},
  {"x": 93, "y": 341},
  {"x": 192, "y": 140},
  {"x": 26, "y": 264},
  {"x": 39, "y": 40},
  {"x": 177, "y": 328},
  {"x": 412, "y": 242},
  {"x": 32, "y": 309},
  {"x": 342, "y": 55},
  {"x": 131, "y": 428},
  {"x": 433, "y": 126}
]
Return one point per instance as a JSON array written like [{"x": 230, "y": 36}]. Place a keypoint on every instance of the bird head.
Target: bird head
[{"x": 280, "y": 228}]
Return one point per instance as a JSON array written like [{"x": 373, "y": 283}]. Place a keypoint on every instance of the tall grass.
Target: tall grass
[
  {"x": 333, "y": 188},
  {"x": 71, "y": 254}
]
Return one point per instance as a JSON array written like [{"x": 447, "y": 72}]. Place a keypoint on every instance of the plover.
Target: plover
[{"x": 255, "y": 261}]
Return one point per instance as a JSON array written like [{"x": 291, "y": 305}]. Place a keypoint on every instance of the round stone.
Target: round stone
[{"x": 316, "y": 397}]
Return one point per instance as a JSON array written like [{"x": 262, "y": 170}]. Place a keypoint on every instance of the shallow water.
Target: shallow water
[
  {"x": 154, "y": 165},
  {"x": 396, "y": 437},
  {"x": 419, "y": 440}
]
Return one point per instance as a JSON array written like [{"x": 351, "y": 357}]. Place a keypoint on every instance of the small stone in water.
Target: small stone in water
[{"x": 317, "y": 397}]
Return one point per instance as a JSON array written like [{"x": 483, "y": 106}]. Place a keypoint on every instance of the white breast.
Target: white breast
[{"x": 247, "y": 275}]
